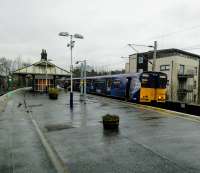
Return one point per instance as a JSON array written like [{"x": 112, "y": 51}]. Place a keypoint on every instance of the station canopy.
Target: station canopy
[{"x": 39, "y": 68}]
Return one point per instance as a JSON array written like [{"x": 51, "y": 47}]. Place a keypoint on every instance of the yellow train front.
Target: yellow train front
[{"x": 153, "y": 87}]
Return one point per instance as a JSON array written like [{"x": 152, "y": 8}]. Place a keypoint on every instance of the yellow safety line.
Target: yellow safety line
[{"x": 161, "y": 110}]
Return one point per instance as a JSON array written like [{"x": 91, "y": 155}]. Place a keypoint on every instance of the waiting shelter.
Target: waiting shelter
[{"x": 42, "y": 73}]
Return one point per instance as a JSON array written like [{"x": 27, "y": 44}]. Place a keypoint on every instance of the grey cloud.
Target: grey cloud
[{"x": 28, "y": 26}]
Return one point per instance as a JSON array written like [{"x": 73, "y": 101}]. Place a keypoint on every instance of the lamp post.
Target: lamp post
[
  {"x": 83, "y": 78},
  {"x": 71, "y": 45},
  {"x": 46, "y": 74}
]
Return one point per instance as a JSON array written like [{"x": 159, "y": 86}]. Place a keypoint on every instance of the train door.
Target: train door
[
  {"x": 128, "y": 84},
  {"x": 108, "y": 86}
]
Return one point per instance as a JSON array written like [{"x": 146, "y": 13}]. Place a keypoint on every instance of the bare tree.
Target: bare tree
[
  {"x": 6, "y": 65},
  {"x": 9, "y": 65}
]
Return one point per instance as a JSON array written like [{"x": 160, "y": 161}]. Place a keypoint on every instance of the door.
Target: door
[{"x": 128, "y": 84}]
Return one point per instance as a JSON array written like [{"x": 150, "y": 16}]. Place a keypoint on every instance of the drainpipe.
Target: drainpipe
[
  {"x": 198, "y": 91},
  {"x": 171, "y": 87}
]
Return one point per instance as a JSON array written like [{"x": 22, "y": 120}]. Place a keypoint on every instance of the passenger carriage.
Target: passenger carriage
[{"x": 135, "y": 87}]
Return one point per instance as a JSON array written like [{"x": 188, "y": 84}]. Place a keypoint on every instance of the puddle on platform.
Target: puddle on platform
[
  {"x": 104, "y": 104},
  {"x": 57, "y": 127},
  {"x": 38, "y": 105}
]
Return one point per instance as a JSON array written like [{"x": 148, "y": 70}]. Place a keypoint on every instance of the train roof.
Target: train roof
[
  {"x": 119, "y": 75},
  {"x": 116, "y": 75}
]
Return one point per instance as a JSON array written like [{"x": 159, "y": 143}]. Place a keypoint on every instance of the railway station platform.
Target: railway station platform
[{"x": 148, "y": 140}]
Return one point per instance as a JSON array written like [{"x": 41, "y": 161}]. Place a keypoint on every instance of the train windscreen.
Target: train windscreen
[
  {"x": 162, "y": 80},
  {"x": 153, "y": 80},
  {"x": 148, "y": 80}
]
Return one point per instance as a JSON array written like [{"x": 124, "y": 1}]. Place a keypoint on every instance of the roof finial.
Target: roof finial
[{"x": 44, "y": 55}]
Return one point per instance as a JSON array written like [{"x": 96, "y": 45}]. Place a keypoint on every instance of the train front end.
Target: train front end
[{"x": 153, "y": 87}]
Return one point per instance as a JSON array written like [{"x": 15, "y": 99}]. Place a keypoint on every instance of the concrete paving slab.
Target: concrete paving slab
[
  {"x": 147, "y": 141},
  {"x": 20, "y": 148}
]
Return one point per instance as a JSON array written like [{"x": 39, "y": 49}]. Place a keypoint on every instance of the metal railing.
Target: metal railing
[{"x": 185, "y": 89}]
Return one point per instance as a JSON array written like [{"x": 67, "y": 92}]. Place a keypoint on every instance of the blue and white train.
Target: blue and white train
[{"x": 135, "y": 87}]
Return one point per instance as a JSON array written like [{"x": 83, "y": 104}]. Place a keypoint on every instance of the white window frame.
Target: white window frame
[{"x": 165, "y": 67}]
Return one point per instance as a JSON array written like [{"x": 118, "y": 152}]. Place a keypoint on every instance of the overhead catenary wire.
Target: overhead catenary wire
[
  {"x": 192, "y": 47},
  {"x": 169, "y": 34}
]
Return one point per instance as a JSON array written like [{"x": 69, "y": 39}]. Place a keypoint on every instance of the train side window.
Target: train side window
[{"x": 116, "y": 83}]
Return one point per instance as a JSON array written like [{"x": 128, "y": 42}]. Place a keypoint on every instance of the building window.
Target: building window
[
  {"x": 164, "y": 67},
  {"x": 195, "y": 84},
  {"x": 195, "y": 98},
  {"x": 195, "y": 70},
  {"x": 167, "y": 82},
  {"x": 182, "y": 69}
]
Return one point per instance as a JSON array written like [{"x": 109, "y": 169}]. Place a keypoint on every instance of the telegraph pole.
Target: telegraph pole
[
  {"x": 198, "y": 92},
  {"x": 154, "y": 56}
]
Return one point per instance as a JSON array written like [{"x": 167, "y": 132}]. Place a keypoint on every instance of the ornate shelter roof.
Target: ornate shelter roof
[{"x": 39, "y": 68}]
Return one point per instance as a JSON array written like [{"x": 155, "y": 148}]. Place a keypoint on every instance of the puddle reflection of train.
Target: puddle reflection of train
[{"x": 145, "y": 87}]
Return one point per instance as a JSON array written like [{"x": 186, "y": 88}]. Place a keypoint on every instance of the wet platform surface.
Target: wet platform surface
[
  {"x": 20, "y": 148},
  {"x": 147, "y": 140}
]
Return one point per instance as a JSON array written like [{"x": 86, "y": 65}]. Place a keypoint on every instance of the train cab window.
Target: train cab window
[
  {"x": 162, "y": 81},
  {"x": 148, "y": 80},
  {"x": 144, "y": 80}
]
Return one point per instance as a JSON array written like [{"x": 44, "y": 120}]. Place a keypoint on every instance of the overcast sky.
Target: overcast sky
[{"x": 27, "y": 26}]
